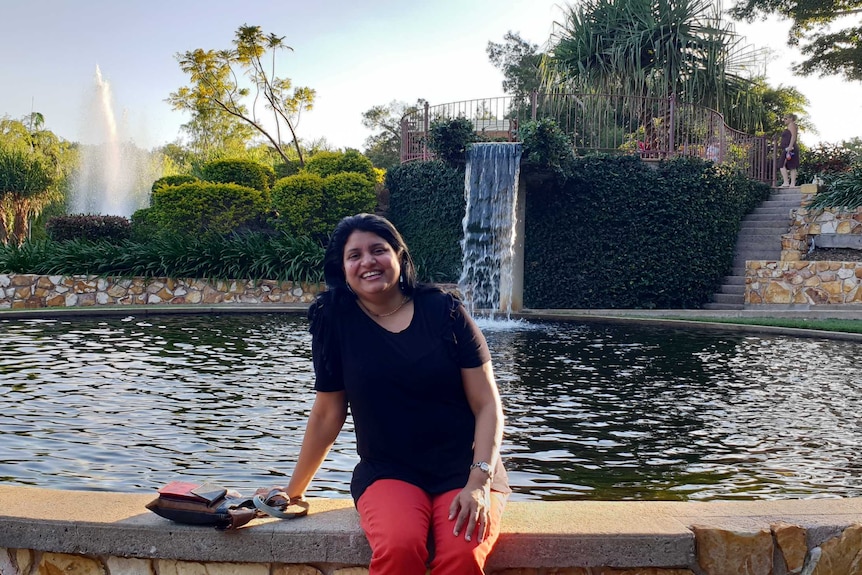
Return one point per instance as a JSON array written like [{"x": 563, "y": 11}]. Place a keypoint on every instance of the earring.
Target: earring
[
  {"x": 401, "y": 281},
  {"x": 350, "y": 289}
]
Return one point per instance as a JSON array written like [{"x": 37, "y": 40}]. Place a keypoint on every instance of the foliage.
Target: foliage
[
  {"x": 28, "y": 183},
  {"x": 200, "y": 208},
  {"x": 35, "y": 166},
  {"x": 519, "y": 61},
  {"x": 284, "y": 169},
  {"x": 842, "y": 190},
  {"x": 243, "y": 256},
  {"x": 307, "y": 203},
  {"x": 449, "y": 139},
  {"x": 777, "y": 103},
  {"x": 427, "y": 205},
  {"x": 825, "y": 158},
  {"x": 298, "y": 203},
  {"x": 348, "y": 193},
  {"x": 174, "y": 180},
  {"x": 216, "y": 87},
  {"x": 326, "y": 164},
  {"x": 828, "y": 51},
  {"x": 545, "y": 144},
  {"x": 383, "y": 148},
  {"x": 242, "y": 172},
  {"x": 648, "y": 48},
  {"x": 88, "y": 227},
  {"x": 615, "y": 233}
]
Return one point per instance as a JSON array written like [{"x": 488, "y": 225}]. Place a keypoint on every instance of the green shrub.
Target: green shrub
[
  {"x": 175, "y": 180},
  {"x": 346, "y": 194},
  {"x": 241, "y": 172},
  {"x": 88, "y": 227},
  {"x": 545, "y": 144},
  {"x": 308, "y": 204},
  {"x": 285, "y": 169},
  {"x": 237, "y": 256},
  {"x": 298, "y": 203},
  {"x": 426, "y": 203},
  {"x": 449, "y": 139},
  {"x": 842, "y": 190},
  {"x": 326, "y": 164},
  {"x": 207, "y": 208},
  {"x": 615, "y": 233}
]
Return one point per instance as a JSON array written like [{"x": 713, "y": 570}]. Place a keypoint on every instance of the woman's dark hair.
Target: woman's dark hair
[{"x": 333, "y": 259}]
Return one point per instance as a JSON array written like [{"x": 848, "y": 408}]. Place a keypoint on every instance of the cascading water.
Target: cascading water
[
  {"x": 113, "y": 175},
  {"x": 490, "y": 188}
]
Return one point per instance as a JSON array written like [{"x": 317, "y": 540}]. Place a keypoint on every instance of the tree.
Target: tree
[
  {"x": 828, "y": 52},
  {"x": 216, "y": 87},
  {"x": 384, "y": 147},
  {"x": 651, "y": 48},
  {"x": 519, "y": 60},
  {"x": 34, "y": 166}
]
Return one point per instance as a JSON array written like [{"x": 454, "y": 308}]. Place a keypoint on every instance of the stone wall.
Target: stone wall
[
  {"x": 795, "y": 281},
  {"x": 27, "y": 291},
  {"x": 98, "y": 533}
]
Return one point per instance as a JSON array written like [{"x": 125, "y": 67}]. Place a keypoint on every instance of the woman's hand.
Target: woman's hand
[{"x": 472, "y": 507}]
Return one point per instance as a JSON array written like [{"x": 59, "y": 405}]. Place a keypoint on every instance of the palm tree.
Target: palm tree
[
  {"x": 653, "y": 48},
  {"x": 27, "y": 185}
]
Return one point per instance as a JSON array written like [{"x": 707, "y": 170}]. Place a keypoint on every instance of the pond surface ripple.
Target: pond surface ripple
[{"x": 593, "y": 411}]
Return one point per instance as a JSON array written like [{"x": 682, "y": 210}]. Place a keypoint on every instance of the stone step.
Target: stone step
[
  {"x": 760, "y": 218},
  {"x": 737, "y": 290},
  {"x": 756, "y": 254},
  {"x": 758, "y": 242},
  {"x": 723, "y": 306},
  {"x": 728, "y": 298},
  {"x": 733, "y": 280}
]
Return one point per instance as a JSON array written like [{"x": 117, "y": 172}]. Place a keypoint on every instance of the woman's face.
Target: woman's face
[{"x": 371, "y": 265}]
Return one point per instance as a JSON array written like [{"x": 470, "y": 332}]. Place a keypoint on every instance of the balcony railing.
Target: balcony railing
[{"x": 653, "y": 128}]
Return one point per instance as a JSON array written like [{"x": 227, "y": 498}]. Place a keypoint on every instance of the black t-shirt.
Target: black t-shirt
[{"x": 405, "y": 392}]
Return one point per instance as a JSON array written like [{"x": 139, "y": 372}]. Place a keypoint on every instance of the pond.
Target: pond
[{"x": 597, "y": 411}]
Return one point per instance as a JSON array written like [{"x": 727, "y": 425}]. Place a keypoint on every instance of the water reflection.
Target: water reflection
[{"x": 593, "y": 412}]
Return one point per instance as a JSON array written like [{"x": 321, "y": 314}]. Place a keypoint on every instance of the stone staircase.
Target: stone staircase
[{"x": 759, "y": 239}]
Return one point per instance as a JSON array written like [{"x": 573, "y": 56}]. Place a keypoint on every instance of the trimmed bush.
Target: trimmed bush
[
  {"x": 298, "y": 203},
  {"x": 426, "y": 204},
  {"x": 310, "y": 205},
  {"x": 326, "y": 164},
  {"x": 207, "y": 208},
  {"x": 449, "y": 139},
  {"x": 241, "y": 172},
  {"x": 615, "y": 233},
  {"x": 88, "y": 227},
  {"x": 175, "y": 180},
  {"x": 346, "y": 194}
]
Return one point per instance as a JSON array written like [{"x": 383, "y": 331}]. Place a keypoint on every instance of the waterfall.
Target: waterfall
[{"x": 488, "y": 243}]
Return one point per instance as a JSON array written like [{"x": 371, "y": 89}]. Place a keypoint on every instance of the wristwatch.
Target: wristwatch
[{"x": 484, "y": 467}]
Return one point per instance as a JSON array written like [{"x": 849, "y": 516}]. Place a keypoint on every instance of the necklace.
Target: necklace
[{"x": 404, "y": 300}]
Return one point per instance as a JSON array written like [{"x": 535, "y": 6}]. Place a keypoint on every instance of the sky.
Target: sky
[{"x": 355, "y": 53}]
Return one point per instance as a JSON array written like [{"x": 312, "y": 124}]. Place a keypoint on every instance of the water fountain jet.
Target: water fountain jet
[{"x": 113, "y": 174}]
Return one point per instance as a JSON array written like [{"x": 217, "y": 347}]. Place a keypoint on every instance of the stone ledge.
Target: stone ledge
[{"x": 535, "y": 534}]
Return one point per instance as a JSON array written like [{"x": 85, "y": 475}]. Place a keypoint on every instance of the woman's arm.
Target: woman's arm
[
  {"x": 324, "y": 423},
  {"x": 793, "y": 129},
  {"x": 472, "y": 505}
]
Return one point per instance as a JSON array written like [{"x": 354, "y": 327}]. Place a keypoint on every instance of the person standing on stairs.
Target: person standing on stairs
[{"x": 789, "y": 161}]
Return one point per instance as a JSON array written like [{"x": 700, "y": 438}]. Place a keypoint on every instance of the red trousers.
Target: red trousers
[{"x": 399, "y": 518}]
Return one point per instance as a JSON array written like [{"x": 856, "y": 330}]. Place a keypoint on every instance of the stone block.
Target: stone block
[
  {"x": 792, "y": 544},
  {"x": 842, "y": 555},
  {"x": 70, "y": 564},
  {"x": 721, "y": 552},
  {"x": 809, "y": 188}
]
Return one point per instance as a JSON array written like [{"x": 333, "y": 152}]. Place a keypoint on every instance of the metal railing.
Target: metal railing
[{"x": 653, "y": 128}]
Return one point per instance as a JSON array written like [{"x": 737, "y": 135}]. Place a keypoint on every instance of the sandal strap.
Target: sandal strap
[{"x": 264, "y": 506}]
